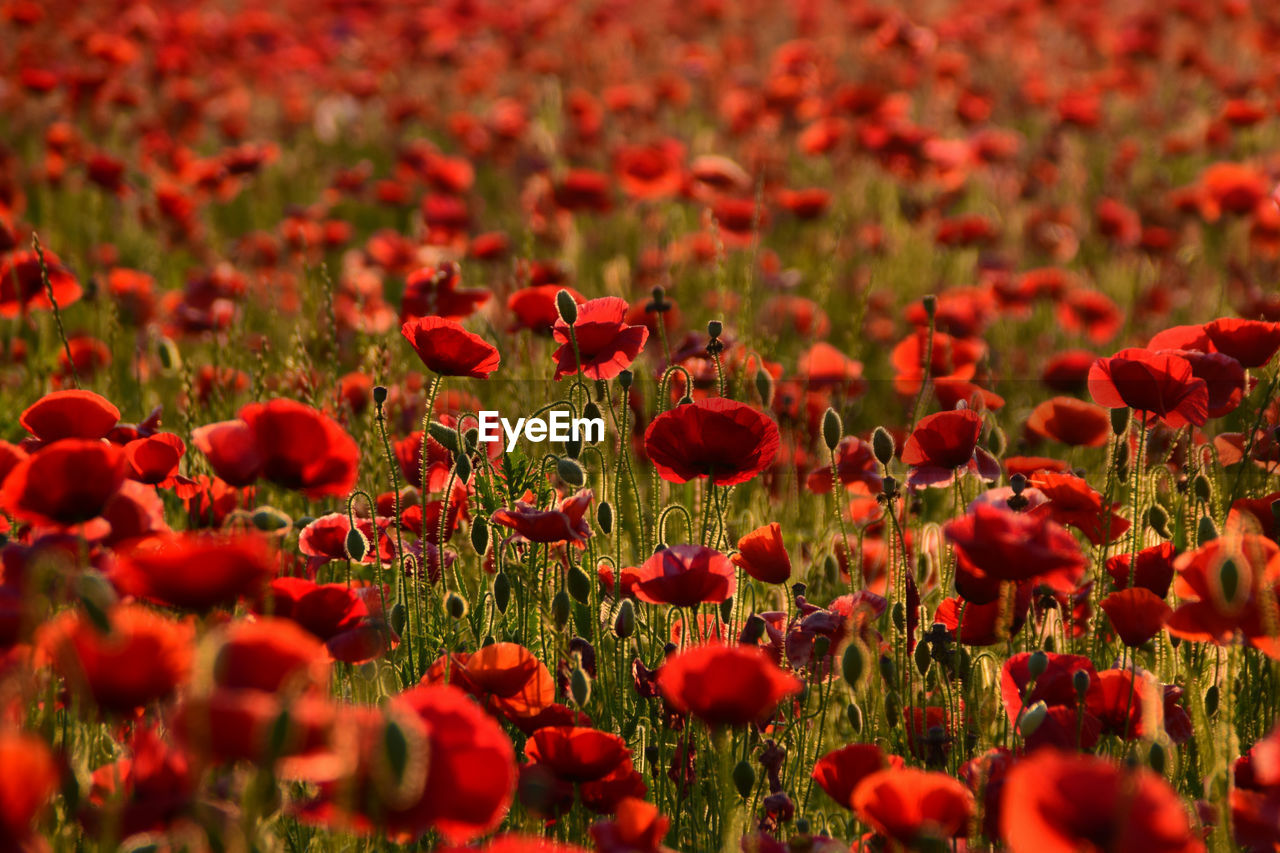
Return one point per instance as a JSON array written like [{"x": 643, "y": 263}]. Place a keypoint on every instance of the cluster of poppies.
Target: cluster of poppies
[{"x": 936, "y": 506}]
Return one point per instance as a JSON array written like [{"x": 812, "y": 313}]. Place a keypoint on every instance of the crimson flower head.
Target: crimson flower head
[
  {"x": 606, "y": 344},
  {"x": 944, "y": 444},
  {"x": 595, "y": 763},
  {"x": 1160, "y": 384},
  {"x": 22, "y": 284},
  {"x": 727, "y": 441},
  {"x": 69, "y": 484},
  {"x": 69, "y": 414},
  {"x": 1250, "y": 342},
  {"x": 683, "y": 576},
  {"x": 503, "y": 677},
  {"x": 725, "y": 685},
  {"x": 840, "y": 771},
  {"x": 286, "y": 442},
  {"x": 435, "y": 292},
  {"x": 1070, "y": 421},
  {"x": 914, "y": 807},
  {"x": 1136, "y": 613},
  {"x": 1062, "y": 801},
  {"x": 196, "y": 571},
  {"x": 27, "y": 782},
  {"x": 762, "y": 555},
  {"x": 567, "y": 523},
  {"x": 995, "y": 544},
  {"x": 448, "y": 349}
]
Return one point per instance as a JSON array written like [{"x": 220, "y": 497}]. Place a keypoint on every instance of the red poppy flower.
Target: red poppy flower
[
  {"x": 762, "y": 555},
  {"x": 1154, "y": 569},
  {"x": 1057, "y": 689},
  {"x": 840, "y": 771},
  {"x": 1161, "y": 385},
  {"x": 196, "y": 571},
  {"x": 69, "y": 414},
  {"x": 594, "y": 764},
  {"x": 951, "y": 358},
  {"x": 914, "y": 807},
  {"x": 584, "y": 189},
  {"x": 606, "y": 344},
  {"x": 1071, "y": 501},
  {"x": 683, "y": 576},
  {"x": 352, "y": 630},
  {"x": 283, "y": 441},
  {"x": 727, "y": 441},
  {"x": 504, "y": 677},
  {"x": 1070, "y": 421},
  {"x": 448, "y": 349},
  {"x": 855, "y": 465},
  {"x": 994, "y": 543},
  {"x": 434, "y": 292},
  {"x": 154, "y": 460},
  {"x": 650, "y": 171},
  {"x": 1230, "y": 188},
  {"x": 1056, "y": 802},
  {"x": 271, "y": 655},
  {"x": 1189, "y": 338},
  {"x": 143, "y": 659},
  {"x": 1137, "y": 614},
  {"x": 565, "y": 524},
  {"x": 325, "y": 540},
  {"x": 520, "y": 844},
  {"x": 985, "y": 624},
  {"x": 725, "y": 685},
  {"x": 1247, "y": 515},
  {"x": 944, "y": 443},
  {"x": 29, "y": 779},
  {"x": 1227, "y": 586},
  {"x": 22, "y": 285},
  {"x": 1127, "y": 708},
  {"x": 637, "y": 827},
  {"x": 1250, "y": 342},
  {"x": 67, "y": 484},
  {"x": 1068, "y": 372},
  {"x": 1223, "y": 376}
]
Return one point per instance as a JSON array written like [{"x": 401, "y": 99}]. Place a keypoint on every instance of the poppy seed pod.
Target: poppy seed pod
[
  {"x": 566, "y": 307},
  {"x": 379, "y": 394},
  {"x": 930, "y": 304},
  {"x": 832, "y": 429},
  {"x": 715, "y": 329},
  {"x": 882, "y": 445},
  {"x": 1080, "y": 681}
]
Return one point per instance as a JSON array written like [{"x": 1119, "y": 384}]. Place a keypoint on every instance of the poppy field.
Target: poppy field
[{"x": 713, "y": 426}]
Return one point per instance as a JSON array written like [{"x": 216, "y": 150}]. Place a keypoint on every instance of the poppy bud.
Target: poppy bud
[
  {"x": 752, "y": 631},
  {"x": 570, "y": 471},
  {"x": 1080, "y": 681},
  {"x": 802, "y": 826},
  {"x": 501, "y": 592},
  {"x": 1158, "y": 520},
  {"x": 455, "y": 605},
  {"x": 1156, "y": 757},
  {"x": 624, "y": 624},
  {"x": 900, "y": 616},
  {"x": 923, "y": 658},
  {"x": 566, "y": 307},
  {"x": 447, "y": 437},
  {"x": 1032, "y": 718},
  {"x": 1206, "y": 530},
  {"x": 560, "y": 608},
  {"x": 888, "y": 669},
  {"x": 398, "y": 617},
  {"x": 379, "y": 394},
  {"x": 821, "y": 646},
  {"x": 480, "y": 534},
  {"x": 892, "y": 709},
  {"x": 882, "y": 445},
  {"x": 714, "y": 329},
  {"x": 625, "y": 378},
  {"x": 169, "y": 354},
  {"x": 303, "y": 521},
  {"x": 930, "y": 302},
  {"x": 854, "y": 713},
  {"x": 1120, "y": 420},
  {"x": 726, "y": 609},
  {"x": 268, "y": 519},
  {"x": 1122, "y": 455},
  {"x": 832, "y": 429},
  {"x": 744, "y": 778},
  {"x": 1037, "y": 664},
  {"x": 463, "y": 467},
  {"x": 488, "y": 640},
  {"x": 1211, "y": 700},
  {"x": 470, "y": 439},
  {"x": 604, "y": 517},
  {"x": 579, "y": 585},
  {"x": 1050, "y": 643},
  {"x": 573, "y": 447},
  {"x": 579, "y": 687},
  {"x": 357, "y": 545},
  {"x": 686, "y": 400},
  {"x": 764, "y": 387}
]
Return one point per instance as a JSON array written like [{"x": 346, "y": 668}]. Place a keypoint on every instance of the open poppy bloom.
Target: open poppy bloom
[
  {"x": 637, "y": 826},
  {"x": 1157, "y": 384},
  {"x": 762, "y": 555},
  {"x": 985, "y": 624},
  {"x": 271, "y": 655},
  {"x": 1070, "y": 421},
  {"x": 348, "y": 620},
  {"x": 605, "y": 343},
  {"x": 1071, "y": 501},
  {"x": 503, "y": 677},
  {"x": 911, "y": 807},
  {"x": 286, "y": 442},
  {"x": 995, "y": 544},
  {"x": 29, "y": 779},
  {"x": 1251, "y": 342},
  {"x": 1137, "y": 614},
  {"x": 143, "y": 659},
  {"x": 69, "y": 414},
  {"x": 325, "y": 540},
  {"x": 434, "y": 292},
  {"x": 856, "y": 466},
  {"x": 154, "y": 460},
  {"x": 1069, "y": 722},
  {"x": 22, "y": 284},
  {"x": 1153, "y": 571},
  {"x": 683, "y": 576},
  {"x": 66, "y": 485},
  {"x": 840, "y": 771},
  {"x": 196, "y": 571},
  {"x": 448, "y": 349},
  {"x": 725, "y": 685},
  {"x": 565, "y": 524},
  {"x": 724, "y": 440},
  {"x": 1057, "y": 801},
  {"x": 595, "y": 763},
  {"x": 943, "y": 445},
  {"x": 1227, "y": 587}
]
